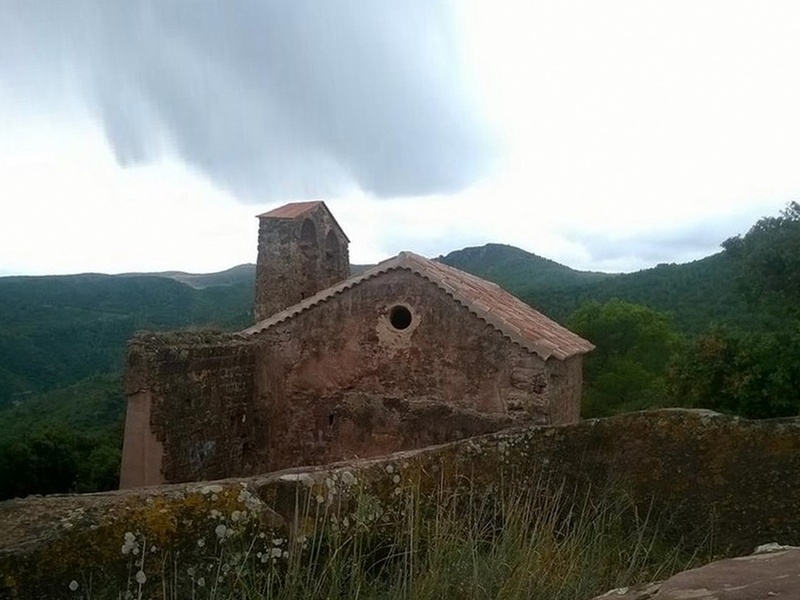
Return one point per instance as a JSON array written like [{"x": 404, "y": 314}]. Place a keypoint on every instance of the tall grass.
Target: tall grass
[{"x": 516, "y": 543}]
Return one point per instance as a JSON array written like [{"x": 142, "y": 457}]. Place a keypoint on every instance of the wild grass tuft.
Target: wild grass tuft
[
  {"x": 516, "y": 541},
  {"x": 519, "y": 544}
]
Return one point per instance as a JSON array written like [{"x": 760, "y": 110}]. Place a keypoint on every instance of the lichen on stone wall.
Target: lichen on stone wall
[
  {"x": 120, "y": 545},
  {"x": 697, "y": 476}
]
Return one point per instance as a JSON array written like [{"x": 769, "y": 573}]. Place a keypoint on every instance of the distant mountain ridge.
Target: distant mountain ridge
[
  {"x": 516, "y": 270},
  {"x": 697, "y": 295},
  {"x": 56, "y": 330},
  {"x": 244, "y": 273}
]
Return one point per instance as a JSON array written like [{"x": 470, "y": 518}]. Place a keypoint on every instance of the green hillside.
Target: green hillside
[
  {"x": 57, "y": 330},
  {"x": 239, "y": 275},
  {"x": 518, "y": 271},
  {"x": 696, "y": 295}
]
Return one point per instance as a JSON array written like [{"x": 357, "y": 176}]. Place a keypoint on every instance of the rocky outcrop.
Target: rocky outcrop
[
  {"x": 697, "y": 474},
  {"x": 767, "y": 574}
]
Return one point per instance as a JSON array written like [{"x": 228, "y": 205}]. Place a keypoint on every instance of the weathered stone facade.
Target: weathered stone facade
[
  {"x": 409, "y": 354},
  {"x": 190, "y": 408},
  {"x": 339, "y": 381},
  {"x": 301, "y": 250}
]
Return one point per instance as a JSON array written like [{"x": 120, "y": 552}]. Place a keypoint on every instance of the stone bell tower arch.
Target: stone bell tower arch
[{"x": 301, "y": 251}]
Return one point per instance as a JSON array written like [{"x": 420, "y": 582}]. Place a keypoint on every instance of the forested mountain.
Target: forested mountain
[
  {"x": 518, "y": 271},
  {"x": 696, "y": 295},
  {"x": 56, "y": 330}
]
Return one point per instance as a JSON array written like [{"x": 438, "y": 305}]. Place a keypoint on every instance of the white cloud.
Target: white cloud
[{"x": 634, "y": 133}]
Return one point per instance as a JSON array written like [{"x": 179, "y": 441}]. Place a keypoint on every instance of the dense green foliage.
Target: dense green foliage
[
  {"x": 62, "y": 345},
  {"x": 627, "y": 369},
  {"x": 767, "y": 260},
  {"x": 58, "y": 460},
  {"x": 753, "y": 373},
  {"x": 65, "y": 440},
  {"x": 756, "y": 375},
  {"x": 58, "y": 330}
]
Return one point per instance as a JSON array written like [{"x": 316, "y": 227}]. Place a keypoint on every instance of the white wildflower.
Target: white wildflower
[
  {"x": 220, "y": 531},
  {"x": 73, "y": 585},
  {"x": 130, "y": 544},
  {"x": 236, "y": 515},
  {"x": 201, "y": 542},
  {"x": 276, "y": 552},
  {"x": 140, "y": 577},
  {"x": 348, "y": 478},
  {"x": 201, "y": 582},
  {"x": 396, "y": 478}
]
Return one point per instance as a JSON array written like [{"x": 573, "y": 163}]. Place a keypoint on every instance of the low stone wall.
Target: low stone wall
[{"x": 694, "y": 473}]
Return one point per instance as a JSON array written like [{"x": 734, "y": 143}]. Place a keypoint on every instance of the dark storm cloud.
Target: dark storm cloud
[{"x": 272, "y": 99}]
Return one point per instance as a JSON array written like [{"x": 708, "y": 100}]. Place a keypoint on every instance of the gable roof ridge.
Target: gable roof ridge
[
  {"x": 516, "y": 320},
  {"x": 294, "y": 210}
]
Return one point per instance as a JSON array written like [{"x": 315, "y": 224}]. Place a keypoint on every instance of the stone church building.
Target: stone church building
[{"x": 407, "y": 354}]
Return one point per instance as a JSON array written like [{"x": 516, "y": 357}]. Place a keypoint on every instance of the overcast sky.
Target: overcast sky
[{"x": 141, "y": 136}]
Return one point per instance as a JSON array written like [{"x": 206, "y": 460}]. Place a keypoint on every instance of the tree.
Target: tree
[
  {"x": 767, "y": 260},
  {"x": 633, "y": 346},
  {"x": 56, "y": 461},
  {"x": 755, "y": 375}
]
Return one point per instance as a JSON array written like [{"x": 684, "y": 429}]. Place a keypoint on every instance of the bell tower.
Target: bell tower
[{"x": 301, "y": 251}]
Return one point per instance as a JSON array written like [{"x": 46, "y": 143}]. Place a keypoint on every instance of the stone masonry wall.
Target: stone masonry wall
[
  {"x": 340, "y": 381},
  {"x": 296, "y": 259},
  {"x": 566, "y": 383},
  {"x": 199, "y": 391}
]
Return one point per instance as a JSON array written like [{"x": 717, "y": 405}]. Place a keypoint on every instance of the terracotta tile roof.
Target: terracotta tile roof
[
  {"x": 508, "y": 314},
  {"x": 291, "y": 210},
  {"x": 294, "y": 210}
]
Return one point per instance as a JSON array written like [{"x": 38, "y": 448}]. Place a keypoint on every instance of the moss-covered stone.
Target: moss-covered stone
[{"x": 697, "y": 474}]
